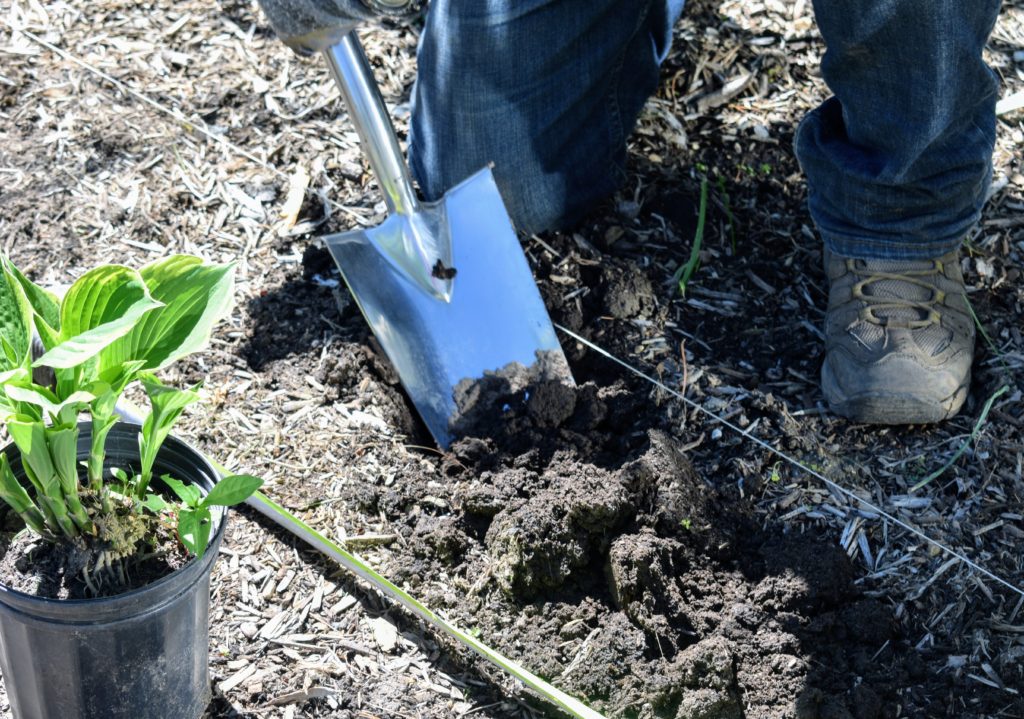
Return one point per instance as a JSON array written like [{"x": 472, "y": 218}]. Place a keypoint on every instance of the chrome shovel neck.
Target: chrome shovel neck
[{"x": 422, "y": 250}]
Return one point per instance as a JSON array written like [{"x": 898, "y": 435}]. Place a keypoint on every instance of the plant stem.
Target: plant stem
[
  {"x": 963, "y": 447},
  {"x": 97, "y": 449},
  {"x": 682, "y": 275},
  {"x": 78, "y": 514},
  {"x": 15, "y": 496},
  {"x": 64, "y": 524}
]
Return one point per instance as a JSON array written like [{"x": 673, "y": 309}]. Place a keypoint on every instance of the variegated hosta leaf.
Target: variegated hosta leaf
[
  {"x": 44, "y": 304},
  {"x": 195, "y": 296},
  {"x": 102, "y": 306},
  {"x": 15, "y": 332}
]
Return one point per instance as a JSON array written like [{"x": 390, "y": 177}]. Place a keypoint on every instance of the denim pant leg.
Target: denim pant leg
[
  {"x": 899, "y": 161},
  {"x": 546, "y": 90}
]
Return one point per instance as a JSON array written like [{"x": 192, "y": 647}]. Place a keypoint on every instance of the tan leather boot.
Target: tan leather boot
[{"x": 899, "y": 339}]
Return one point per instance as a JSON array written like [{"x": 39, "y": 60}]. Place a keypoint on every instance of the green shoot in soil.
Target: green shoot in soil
[
  {"x": 683, "y": 274},
  {"x": 963, "y": 447}
]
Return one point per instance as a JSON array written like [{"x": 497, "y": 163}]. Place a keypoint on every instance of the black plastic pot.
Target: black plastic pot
[{"x": 139, "y": 655}]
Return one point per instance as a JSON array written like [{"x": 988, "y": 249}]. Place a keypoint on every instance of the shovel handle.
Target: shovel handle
[{"x": 354, "y": 77}]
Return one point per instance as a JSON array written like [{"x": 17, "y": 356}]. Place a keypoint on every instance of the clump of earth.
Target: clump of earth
[{"x": 590, "y": 550}]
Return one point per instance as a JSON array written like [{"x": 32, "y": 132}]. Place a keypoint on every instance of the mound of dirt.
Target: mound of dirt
[{"x": 599, "y": 558}]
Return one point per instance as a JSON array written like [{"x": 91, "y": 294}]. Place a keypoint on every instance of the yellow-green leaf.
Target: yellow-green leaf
[
  {"x": 102, "y": 306},
  {"x": 195, "y": 296}
]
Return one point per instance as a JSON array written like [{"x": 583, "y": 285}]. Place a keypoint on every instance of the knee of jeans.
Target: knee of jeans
[{"x": 536, "y": 201}]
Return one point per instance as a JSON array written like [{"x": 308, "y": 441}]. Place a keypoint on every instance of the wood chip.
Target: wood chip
[{"x": 384, "y": 633}]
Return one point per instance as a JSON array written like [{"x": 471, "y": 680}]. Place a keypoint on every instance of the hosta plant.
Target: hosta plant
[{"x": 113, "y": 327}]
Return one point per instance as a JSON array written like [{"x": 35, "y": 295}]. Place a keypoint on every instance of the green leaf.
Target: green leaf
[
  {"x": 63, "y": 442},
  {"x": 167, "y": 404},
  {"x": 17, "y": 498},
  {"x": 44, "y": 303},
  {"x": 187, "y": 493},
  {"x": 47, "y": 400},
  {"x": 10, "y": 353},
  {"x": 683, "y": 274},
  {"x": 15, "y": 333},
  {"x": 202, "y": 535},
  {"x": 187, "y": 524},
  {"x": 49, "y": 336},
  {"x": 108, "y": 387},
  {"x": 232, "y": 490},
  {"x": 194, "y": 529},
  {"x": 30, "y": 437},
  {"x": 102, "y": 306},
  {"x": 195, "y": 296},
  {"x": 155, "y": 503},
  {"x": 18, "y": 375},
  {"x": 14, "y": 377}
]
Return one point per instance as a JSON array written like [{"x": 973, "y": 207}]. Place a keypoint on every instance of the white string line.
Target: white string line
[
  {"x": 797, "y": 463},
  {"x": 711, "y": 415},
  {"x": 189, "y": 125}
]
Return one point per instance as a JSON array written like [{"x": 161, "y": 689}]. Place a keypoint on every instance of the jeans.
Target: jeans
[{"x": 897, "y": 163}]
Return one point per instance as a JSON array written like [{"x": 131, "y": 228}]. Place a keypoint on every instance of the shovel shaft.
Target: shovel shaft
[{"x": 366, "y": 108}]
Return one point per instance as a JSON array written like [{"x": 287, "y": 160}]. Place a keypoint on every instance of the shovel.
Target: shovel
[{"x": 444, "y": 285}]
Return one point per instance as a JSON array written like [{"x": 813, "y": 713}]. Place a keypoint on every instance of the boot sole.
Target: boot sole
[{"x": 889, "y": 407}]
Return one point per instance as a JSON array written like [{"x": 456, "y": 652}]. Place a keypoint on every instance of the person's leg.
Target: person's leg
[
  {"x": 898, "y": 164},
  {"x": 546, "y": 90}
]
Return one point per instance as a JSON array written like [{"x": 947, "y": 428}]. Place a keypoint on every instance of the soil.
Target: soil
[
  {"x": 590, "y": 545},
  {"x": 613, "y": 538},
  {"x": 52, "y": 570}
]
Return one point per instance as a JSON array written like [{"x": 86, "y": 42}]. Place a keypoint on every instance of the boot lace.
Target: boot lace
[{"x": 898, "y": 298}]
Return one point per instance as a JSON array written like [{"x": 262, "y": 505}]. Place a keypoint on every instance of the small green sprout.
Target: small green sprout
[
  {"x": 194, "y": 517},
  {"x": 683, "y": 274}
]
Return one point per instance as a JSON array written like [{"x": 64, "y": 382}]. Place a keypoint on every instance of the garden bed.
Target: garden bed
[{"x": 613, "y": 539}]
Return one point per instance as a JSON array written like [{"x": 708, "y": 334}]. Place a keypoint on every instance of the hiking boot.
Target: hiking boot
[{"x": 899, "y": 339}]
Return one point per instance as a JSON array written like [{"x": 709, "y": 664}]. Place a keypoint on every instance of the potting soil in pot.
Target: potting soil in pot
[{"x": 40, "y": 568}]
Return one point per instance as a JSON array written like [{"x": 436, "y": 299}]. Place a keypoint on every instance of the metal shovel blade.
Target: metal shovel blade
[
  {"x": 444, "y": 285},
  {"x": 493, "y": 331}
]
